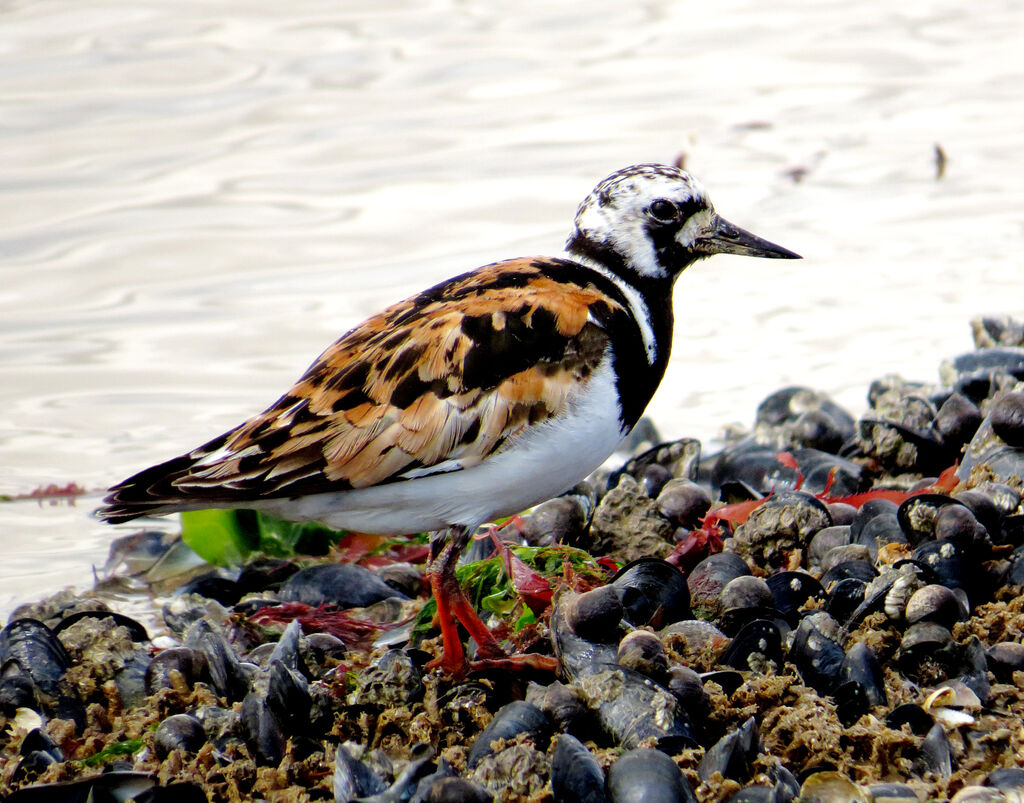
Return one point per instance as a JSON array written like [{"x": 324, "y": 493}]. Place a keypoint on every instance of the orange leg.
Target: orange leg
[{"x": 452, "y": 605}]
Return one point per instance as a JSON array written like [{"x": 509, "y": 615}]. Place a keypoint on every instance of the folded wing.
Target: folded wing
[{"x": 436, "y": 383}]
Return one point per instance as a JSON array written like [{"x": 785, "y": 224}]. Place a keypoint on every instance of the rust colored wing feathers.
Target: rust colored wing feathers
[{"x": 436, "y": 382}]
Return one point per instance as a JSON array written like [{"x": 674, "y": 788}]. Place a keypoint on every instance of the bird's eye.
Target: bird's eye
[{"x": 663, "y": 211}]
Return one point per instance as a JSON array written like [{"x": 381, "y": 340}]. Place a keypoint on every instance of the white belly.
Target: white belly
[{"x": 544, "y": 461}]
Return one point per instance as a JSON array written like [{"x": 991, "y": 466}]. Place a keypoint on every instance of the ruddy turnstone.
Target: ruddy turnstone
[{"x": 475, "y": 399}]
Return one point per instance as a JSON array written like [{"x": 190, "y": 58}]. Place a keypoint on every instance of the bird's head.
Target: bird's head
[{"x": 654, "y": 220}]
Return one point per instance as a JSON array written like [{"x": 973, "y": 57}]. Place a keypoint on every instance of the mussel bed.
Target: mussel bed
[{"x": 827, "y": 609}]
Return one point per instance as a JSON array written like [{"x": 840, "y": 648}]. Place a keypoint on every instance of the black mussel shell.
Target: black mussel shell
[
  {"x": 868, "y": 511},
  {"x": 576, "y": 777},
  {"x": 844, "y": 597},
  {"x": 624, "y": 701},
  {"x": 679, "y": 457},
  {"x": 687, "y": 686},
  {"x": 354, "y": 779},
  {"x": 985, "y": 363},
  {"x": 511, "y": 720},
  {"x": 936, "y": 753},
  {"x": 16, "y": 691},
  {"x": 817, "y": 653},
  {"x": 653, "y": 479},
  {"x": 757, "y": 642},
  {"x": 813, "y": 418},
  {"x": 288, "y": 698},
  {"x": 846, "y": 553},
  {"x": 287, "y": 650},
  {"x": 861, "y": 665},
  {"x": 842, "y": 513},
  {"x": 1006, "y": 779},
  {"x": 733, "y": 755},
  {"x": 192, "y": 665},
  {"x": 917, "y": 515},
  {"x": 754, "y": 466},
  {"x": 214, "y": 585},
  {"x": 958, "y": 523},
  {"x": 882, "y": 528},
  {"x": 451, "y": 789},
  {"x": 179, "y": 732},
  {"x": 985, "y": 510},
  {"x": 647, "y": 776},
  {"x": 891, "y": 793},
  {"x": 856, "y": 569},
  {"x": 728, "y": 679},
  {"x": 936, "y": 603},
  {"x": 790, "y": 590},
  {"x": 950, "y": 564},
  {"x": 912, "y": 715},
  {"x": 38, "y": 751},
  {"x": 826, "y": 540},
  {"x": 927, "y": 650},
  {"x": 228, "y": 678},
  {"x": 262, "y": 730},
  {"x": 562, "y": 705},
  {"x": 36, "y": 651},
  {"x": 117, "y": 785},
  {"x": 760, "y": 793},
  {"x": 851, "y": 701},
  {"x": 343, "y": 584},
  {"x": 824, "y": 471},
  {"x": 562, "y": 520},
  {"x": 653, "y": 593},
  {"x": 265, "y": 574}
]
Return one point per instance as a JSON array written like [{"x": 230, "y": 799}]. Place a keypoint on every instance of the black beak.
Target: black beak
[{"x": 722, "y": 237}]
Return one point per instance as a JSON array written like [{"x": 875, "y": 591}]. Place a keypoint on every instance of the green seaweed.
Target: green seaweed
[
  {"x": 230, "y": 537},
  {"x": 489, "y": 588},
  {"x": 111, "y": 751}
]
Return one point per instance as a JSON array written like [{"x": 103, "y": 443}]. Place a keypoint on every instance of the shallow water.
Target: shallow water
[{"x": 196, "y": 198}]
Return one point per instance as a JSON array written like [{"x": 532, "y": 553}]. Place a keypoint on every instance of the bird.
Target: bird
[{"x": 475, "y": 399}]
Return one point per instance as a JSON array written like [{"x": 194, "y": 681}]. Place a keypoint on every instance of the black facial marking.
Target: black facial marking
[
  {"x": 601, "y": 253},
  {"x": 690, "y": 207}
]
